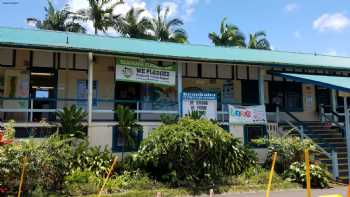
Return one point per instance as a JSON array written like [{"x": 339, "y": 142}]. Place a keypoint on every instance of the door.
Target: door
[{"x": 43, "y": 93}]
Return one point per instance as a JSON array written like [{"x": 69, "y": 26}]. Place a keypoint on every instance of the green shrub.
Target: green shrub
[
  {"x": 168, "y": 118},
  {"x": 289, "y": 150},
  {"x": 91, "y": 158},
  {"x": 71, "y": 119},
  {"x": 192, "y": 152},
  {"x": 79, "y": 183},
  {"x": 47, "y": 164},
  {"x": 320, "y": 177}
]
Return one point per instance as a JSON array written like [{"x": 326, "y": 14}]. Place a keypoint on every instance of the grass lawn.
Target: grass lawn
[{"x": 238, "y": 184}]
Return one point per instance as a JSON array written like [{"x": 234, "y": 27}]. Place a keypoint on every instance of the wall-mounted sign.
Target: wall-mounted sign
[
  {"x": 247, "y": 114},
  {"x": 134, "y": 70},
  {"x": 204, "y": 102}
]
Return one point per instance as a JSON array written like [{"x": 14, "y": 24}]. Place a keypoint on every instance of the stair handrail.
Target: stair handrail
[
  {"x": 323, "y": 116},
  {"x": 333, "y": 155}
]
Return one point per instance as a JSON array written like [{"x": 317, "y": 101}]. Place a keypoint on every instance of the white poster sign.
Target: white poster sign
[
  {"x": 144, "y": 72},
  {"x": 247, "y": 114},
  {"x": 203, "y": 102}
]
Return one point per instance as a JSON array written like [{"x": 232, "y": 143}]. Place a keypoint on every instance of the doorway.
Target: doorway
[{"x": 43, "y": 83}]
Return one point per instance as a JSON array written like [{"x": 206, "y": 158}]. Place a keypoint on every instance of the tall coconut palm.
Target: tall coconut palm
[
  {"x": 100, "y": 12},
  {"x": 166, "y": 29},
  {"x": 134, "y": 25},
  {"x": 229, "y": 36},
  {"x": 58, "y": 20},
  {"x": 258, "y": 40}
]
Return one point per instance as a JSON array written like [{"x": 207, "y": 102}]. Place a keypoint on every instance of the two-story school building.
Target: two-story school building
[{"x": 43, "y": 71}]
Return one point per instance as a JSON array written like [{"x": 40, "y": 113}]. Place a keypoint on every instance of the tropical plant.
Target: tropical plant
[
  {"x": 100, "y": 12},
  {"x": 320, "y": 177},
  {"x": 127, "y": 126},
  {"x": 93, "y": 159},
  {"x": 192, "y": 153},
  {"x": 81, "y": 183},
  {"x": 258, "y": 40},
  {"x": 58, "y": 20},
  {"x": 47, "y": 162},
  {"x": 230, "y": 35},
  {"x": 166, "y": 29},
  {"x": 168, "y": 118},
  {"x": 9, "y": 130},
  {"x": 134, "y": 25},
  {"x": 71, "y": 119},
  {"x": 196, "y": 115},
  {"x": 289, "y": 150}
]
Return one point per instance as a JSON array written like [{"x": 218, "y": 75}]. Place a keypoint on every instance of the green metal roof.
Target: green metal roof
[
  {"x": 30, "y": 38},
  {"x": 333, "y": 82}
]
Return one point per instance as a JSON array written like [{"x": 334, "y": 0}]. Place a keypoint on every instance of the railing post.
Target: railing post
[
  {"x": 137, "y": 111},
  {"x": 31, "y": 110},
  {"x": 322, "y": 114},
  {"x": 277, "y": 114},
  {"x": 222, "y": 114},
  {"x": 335, "y": 169},
  {"x": 302, "y": 132}
]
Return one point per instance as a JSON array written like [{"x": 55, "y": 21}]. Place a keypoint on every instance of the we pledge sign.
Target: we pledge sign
[
  {"x": 247, "y": 114},
  {"x": 203, "y": 102},
  {"x": 144, "y": 72}
]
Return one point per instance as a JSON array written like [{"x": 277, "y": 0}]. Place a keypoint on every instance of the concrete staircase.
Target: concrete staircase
[{"x": 329, "y": 138}]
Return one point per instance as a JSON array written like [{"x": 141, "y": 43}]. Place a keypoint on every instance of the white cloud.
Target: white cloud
[
  {"x": 291, "y": 7},
  {"x": 297, "y": 34},
  {"x": 173, "y": 7},
  {"x": 331, "y": 52},
  {"x": 331, "y": 22}
]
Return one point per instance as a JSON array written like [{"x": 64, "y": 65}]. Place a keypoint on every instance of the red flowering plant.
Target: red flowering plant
[{"x": 8, "y": 133}]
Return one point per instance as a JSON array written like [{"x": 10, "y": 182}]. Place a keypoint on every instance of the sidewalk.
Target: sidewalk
[{"x": 291, "y": 193}]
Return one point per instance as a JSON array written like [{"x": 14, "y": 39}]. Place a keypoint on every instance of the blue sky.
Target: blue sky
[{"x": 321, "y": 26}]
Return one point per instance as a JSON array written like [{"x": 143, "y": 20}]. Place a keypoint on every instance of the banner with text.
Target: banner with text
[
  {"x": 247, "y": 114},
  {"x": 134, "y": 70},
  {"x": 203, "y": 102}
]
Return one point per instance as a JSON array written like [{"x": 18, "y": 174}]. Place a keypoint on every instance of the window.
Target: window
[
  {"x": 287, "y": 94},
  {"x": 253, "y": 132},
  {"x": 250, "y": 92}
]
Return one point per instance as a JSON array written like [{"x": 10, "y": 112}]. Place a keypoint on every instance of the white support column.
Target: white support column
[
  {"x": 179, "y": 86},
  {"x": 347, "y": 127},
  {"x": 90, "y": 91},
  {"x": 334, "y": 103},
  {"x": 261, "y": 86}
]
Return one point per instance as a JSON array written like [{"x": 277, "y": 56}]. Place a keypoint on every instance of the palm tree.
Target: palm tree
[
  {"x": 229, "y": 36},
  {"x": 258, "y": 40},
  {"x": 136, "y": 26},
  {"x": 58, "y": 20},
  {"x": 168, "y": 30},
  {"x": 127, "y": 126},
  {"x": 100, "y": 12}
]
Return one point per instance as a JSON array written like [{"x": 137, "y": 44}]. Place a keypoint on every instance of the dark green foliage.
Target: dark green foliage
[
  {"x": 58, "y": 20},
  {"x": 80, "y": 182},
  {"x": 320, "y": 177},
  {"x": 91, "y": 158},
  {"x": 47, "y": 164},
  {"x": 196, "y": 115},
  {"x": 168, "y": 119},
  {"x": 71, "y": 119},
  {"x": 127, "y": 126},
  {"x": 289, "y": 150},
  {"x": 192, "y": 152}
]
